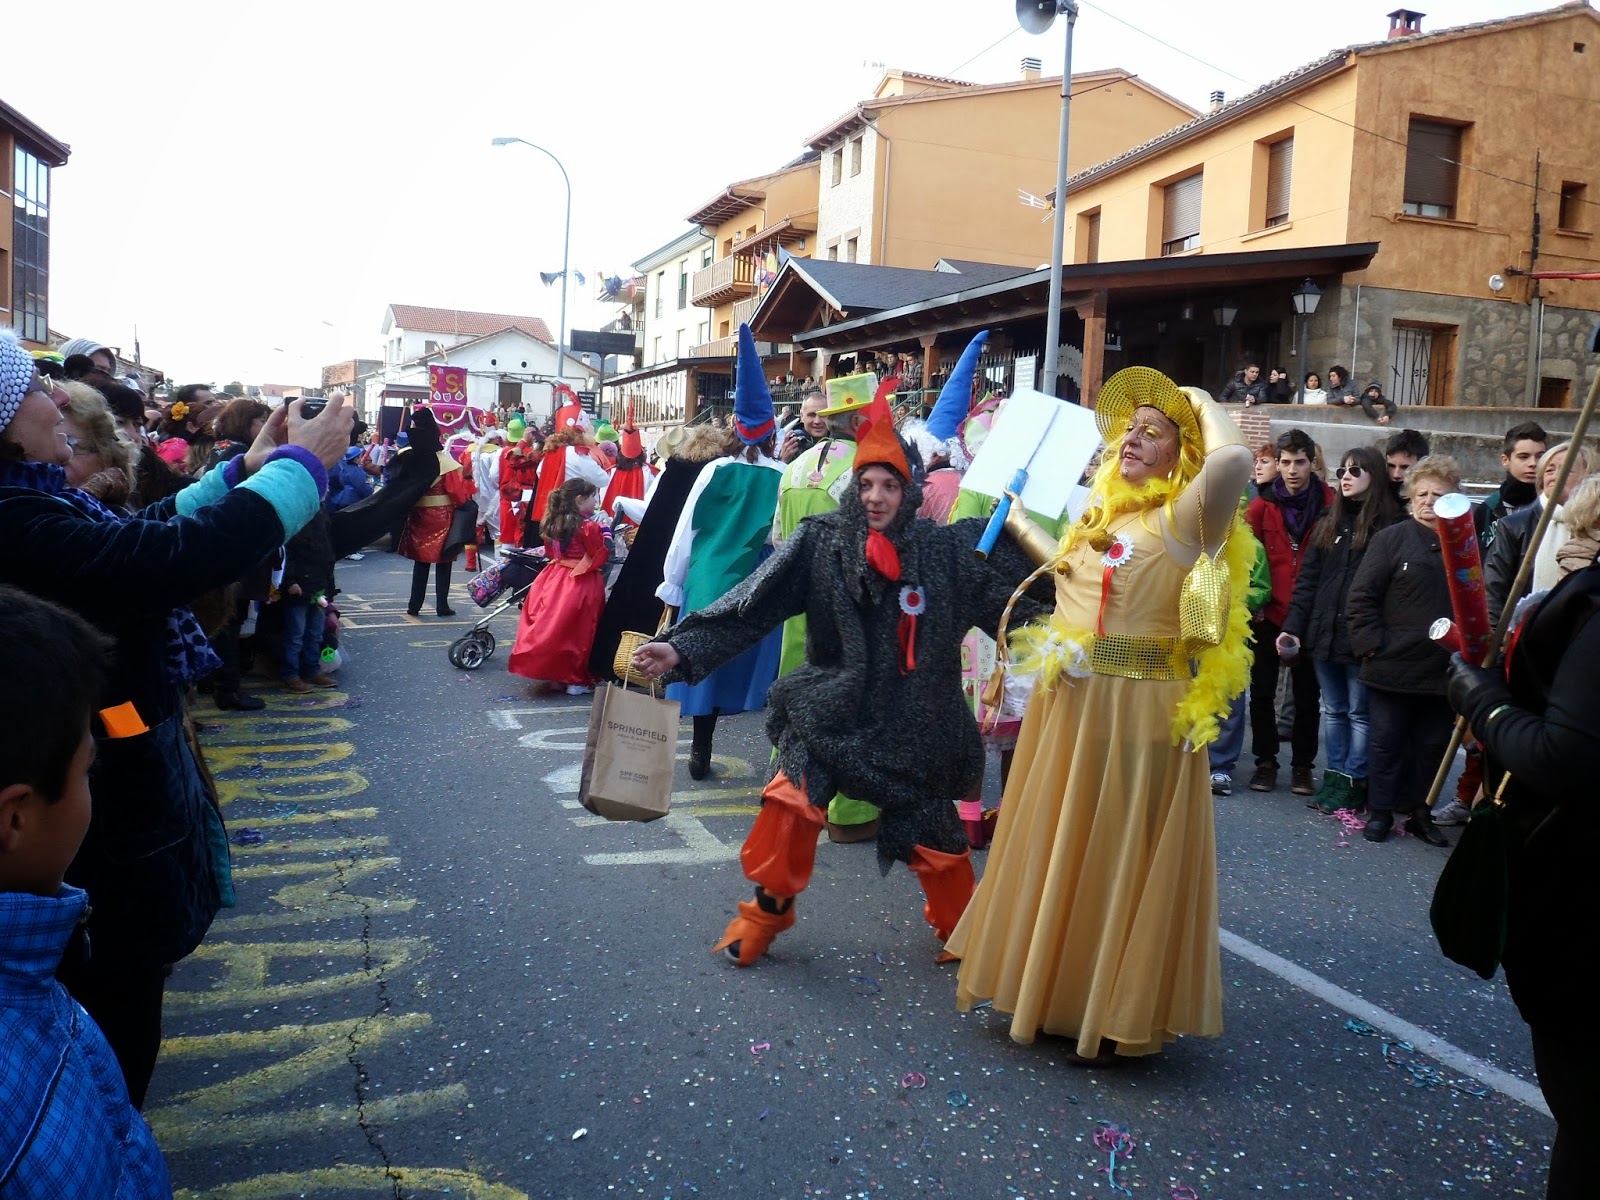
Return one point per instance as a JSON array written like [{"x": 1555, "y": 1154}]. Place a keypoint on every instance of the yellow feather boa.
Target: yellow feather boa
[{"x": 1047, "y": 649}]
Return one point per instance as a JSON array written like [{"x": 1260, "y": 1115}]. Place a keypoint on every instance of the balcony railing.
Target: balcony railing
[
  {"x": 725, "y": 347},
  {"x": 745, "y": 309},
  {"x": 728, "y": 279}
]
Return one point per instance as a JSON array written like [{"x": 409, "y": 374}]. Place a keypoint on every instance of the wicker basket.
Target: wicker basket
[{"x": 631, "y": 640}]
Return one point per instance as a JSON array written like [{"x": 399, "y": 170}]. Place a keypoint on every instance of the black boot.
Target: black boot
[
  {"x": 1420, "y": 825},
  {"x": 419, "y": 588},
  {"x": 1380, "y": 822},
  {"x": 700, "y": 747},
  {"x": 441, "y": 589}
]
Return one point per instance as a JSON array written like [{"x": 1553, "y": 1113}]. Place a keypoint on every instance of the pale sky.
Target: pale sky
[{"x": 251, "y": 184}]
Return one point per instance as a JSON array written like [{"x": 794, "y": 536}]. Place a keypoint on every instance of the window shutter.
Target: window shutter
[
  {"x": 1182, "y": 216},
  {"x": 1094, "y": 239},
  {"x": 1432, "y": 151},
  {"x": 1280, "y": 166}
]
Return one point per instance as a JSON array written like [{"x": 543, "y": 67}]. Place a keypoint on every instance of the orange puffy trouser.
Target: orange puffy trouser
[{"x": 781, "y": 849}]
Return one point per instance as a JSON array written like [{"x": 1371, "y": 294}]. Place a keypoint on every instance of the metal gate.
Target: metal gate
[{"x": 1413, "y": 355}]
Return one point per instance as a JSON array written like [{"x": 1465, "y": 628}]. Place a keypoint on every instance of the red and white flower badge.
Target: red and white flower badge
[
  {"x": 1117, "y": 554},
  {"x": 913, "y": 603}
]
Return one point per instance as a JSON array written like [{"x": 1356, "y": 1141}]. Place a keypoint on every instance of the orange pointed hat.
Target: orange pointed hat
[
  {"x": 632, "y": 444},
  {"x": 877, "y": 444}
]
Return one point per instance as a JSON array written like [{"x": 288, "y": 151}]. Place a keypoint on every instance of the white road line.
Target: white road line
[
  {"x": 700, "y": 846},
  {"x": 1457, "y": 1059}
]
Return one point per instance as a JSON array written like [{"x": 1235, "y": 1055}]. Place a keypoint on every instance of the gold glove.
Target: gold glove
[
  {"x": 1217, "y": 428},
  {"x": 1036, "y": 542}
]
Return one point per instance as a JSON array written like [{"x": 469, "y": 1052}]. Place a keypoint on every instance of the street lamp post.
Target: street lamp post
[
  {"x": 1223, "y": 314},
  {"x": 566, "y": 245},
  {"x": 1305, "y": 304},
  {"x": 1036, "y": 16}
]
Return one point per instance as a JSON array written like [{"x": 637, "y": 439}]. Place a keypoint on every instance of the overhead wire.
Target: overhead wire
[{"x": 1401, "y": 142}]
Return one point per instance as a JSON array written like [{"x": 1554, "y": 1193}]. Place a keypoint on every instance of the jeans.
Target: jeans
[
  {"x": 1344, "y": 717},
  {"x": 302, "y": 640},
  {"x": 1263, "y": 700},
  {"x": 1230, "y": 738}
]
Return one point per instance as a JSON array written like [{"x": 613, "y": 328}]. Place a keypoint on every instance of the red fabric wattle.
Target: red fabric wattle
[
  {"x": 908, "y": 643},
  {"x": 882, "y": 557}
]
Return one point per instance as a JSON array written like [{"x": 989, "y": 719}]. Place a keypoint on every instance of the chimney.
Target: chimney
[
  {"x": 1030, "y": 69},
  {"x": 1215, "y": 104},
  {"x": 1404, "y": 23}
]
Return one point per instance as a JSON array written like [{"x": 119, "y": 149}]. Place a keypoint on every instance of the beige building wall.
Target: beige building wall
[
  {"x": 1233, "y": 157},
  {"x": 845, "y": 209},
  {"x": 791, "y": 193},
  {"x": 1521, "y": 91},
  {"x": 956, "y": 166}
]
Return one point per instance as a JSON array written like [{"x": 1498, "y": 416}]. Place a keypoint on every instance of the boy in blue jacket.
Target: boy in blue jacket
[{"x": 67, "y": 1127}]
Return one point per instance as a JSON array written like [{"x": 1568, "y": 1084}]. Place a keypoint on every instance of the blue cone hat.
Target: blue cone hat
[
  {"x": 753, "y": 415},
  {"x": 955, "y": 398}
]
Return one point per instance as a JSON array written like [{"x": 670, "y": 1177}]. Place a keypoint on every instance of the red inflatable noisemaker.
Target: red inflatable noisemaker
[{"x": 1458, "y": 542}]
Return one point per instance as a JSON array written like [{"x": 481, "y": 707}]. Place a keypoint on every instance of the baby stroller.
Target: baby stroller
[{"x": 508, "y": 582}]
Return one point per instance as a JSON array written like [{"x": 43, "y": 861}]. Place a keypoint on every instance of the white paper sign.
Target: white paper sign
[
  {"x": 1059, "y": 463},
  {"x": 1026, "y": 368}
]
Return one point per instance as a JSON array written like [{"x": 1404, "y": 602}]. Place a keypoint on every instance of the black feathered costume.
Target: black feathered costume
[{"x": 854, "y": 718}]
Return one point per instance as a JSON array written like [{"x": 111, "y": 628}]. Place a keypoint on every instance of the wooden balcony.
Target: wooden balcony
[
  {"x": 745, "y": 309},
  {"x": 727, "y": 347},
  {"x": 724, "y": 281}
]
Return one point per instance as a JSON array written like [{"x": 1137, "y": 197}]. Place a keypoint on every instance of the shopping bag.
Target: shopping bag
[
  {"x": 629, "y": 756},
  {"x": 1472, "y": 895}
]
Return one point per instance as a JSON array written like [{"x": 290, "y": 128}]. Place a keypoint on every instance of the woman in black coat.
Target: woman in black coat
[
  {"x": 1398, "y": 593},
  {"x": 1316, "y": 622},
  {"x": 1538, "y": 721},
  {"x": 147, "y": 861}
]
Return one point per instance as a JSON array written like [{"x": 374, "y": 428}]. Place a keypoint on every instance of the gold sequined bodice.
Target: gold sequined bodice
[{"x": 1145, "y": 586}]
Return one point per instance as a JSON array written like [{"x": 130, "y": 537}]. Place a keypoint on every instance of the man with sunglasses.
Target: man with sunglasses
[{"x": 1282, "y": 518}]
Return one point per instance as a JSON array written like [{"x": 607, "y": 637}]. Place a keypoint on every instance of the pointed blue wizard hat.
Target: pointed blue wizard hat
[
  {"x": 753, "y": 416},
  {"x": 955, "y": 398}
]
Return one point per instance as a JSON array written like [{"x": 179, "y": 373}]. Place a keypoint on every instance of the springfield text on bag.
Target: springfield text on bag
[{"x": 635, "y": 731}]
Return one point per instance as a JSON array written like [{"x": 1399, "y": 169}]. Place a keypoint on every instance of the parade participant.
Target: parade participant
[
  {"x": 1097, "y": 916},
  {"x": 723, "y": 534},
  {"x": 632, "y": 476},
  {"x": 569, "y": 452},
  {"x": 632, "y": 604},
  {"x": 518, "y": 480},
  {"x": 877, "y": 708},
  {"x": 938, "y": 439},
  {"x": 486, "y": 478},
  {"x": 563, "y": 606},
  {"x": 1536, "y": 721},
  {"x": 148, "y": 862},
  {"x": 812, "y": 483},
  {"x": 428, "y": 523}
]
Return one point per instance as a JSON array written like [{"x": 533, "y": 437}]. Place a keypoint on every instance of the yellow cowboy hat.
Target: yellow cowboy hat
[{"x": 1144, "y": 387}]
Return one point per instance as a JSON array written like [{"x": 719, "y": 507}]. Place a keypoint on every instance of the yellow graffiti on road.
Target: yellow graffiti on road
[
  {"x": 245, "y": 967},
  {"x": 214, "y": 1115},
  {"x": 341, "y": 784},
  {"x": 377, "y": 1181}
]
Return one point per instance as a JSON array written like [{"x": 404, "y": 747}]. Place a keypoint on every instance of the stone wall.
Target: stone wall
[{"x": 1355, "y": 327}]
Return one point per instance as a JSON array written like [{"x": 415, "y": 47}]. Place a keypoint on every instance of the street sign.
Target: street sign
[{"x": 593, "y": 341}]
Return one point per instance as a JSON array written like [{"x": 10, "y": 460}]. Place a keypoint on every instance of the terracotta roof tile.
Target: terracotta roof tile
[{"x": 421, "y": 319}]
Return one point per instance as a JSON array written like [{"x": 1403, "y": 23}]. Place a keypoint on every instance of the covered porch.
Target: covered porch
[{"x": 1198, "y": 318}]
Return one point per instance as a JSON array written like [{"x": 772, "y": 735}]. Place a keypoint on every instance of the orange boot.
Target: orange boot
[
  {"x": 778, "y": 856},
  {"x": 948, "y": 882},
  {"x": 759, "y": 921}
]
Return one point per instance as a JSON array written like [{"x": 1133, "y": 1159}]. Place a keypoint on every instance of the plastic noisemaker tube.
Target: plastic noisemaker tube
[{"x": 1469, "y": 603}]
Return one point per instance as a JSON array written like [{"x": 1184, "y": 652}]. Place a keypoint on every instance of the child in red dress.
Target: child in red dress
[{"x": 563, "y": 607}]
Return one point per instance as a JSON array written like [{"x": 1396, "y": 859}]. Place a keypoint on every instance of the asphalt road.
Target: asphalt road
[{"x": 443, "y": 977}]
